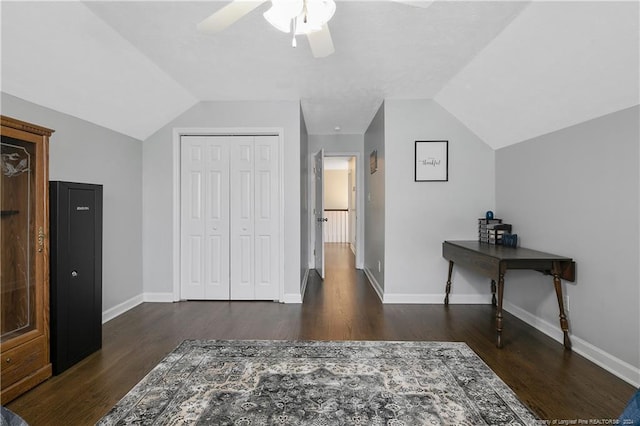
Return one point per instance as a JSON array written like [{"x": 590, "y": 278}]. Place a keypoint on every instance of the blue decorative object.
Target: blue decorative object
[
  {"x": 631, "y": 414},
  {"x": 510, "y": 240},
  {"x": 489, "y": 215}
]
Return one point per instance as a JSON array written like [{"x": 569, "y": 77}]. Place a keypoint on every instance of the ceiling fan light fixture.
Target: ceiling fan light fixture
[
  {"x": 318, "y": 13},
  {"x": 282, "y": 12},
  {"x": 309, "y": 15}
]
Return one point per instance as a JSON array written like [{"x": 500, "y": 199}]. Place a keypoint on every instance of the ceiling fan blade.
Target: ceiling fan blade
[
  {"x": 415, "y": 3},
  {"x": 321, "y": 43},
  {"x": 227, "y": 16}
]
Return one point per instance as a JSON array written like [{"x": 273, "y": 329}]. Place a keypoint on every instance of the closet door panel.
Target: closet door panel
[
  {"x": 267, "y": 225},
  {"x": 204, "y": 218},
  {"x": 242, "y": 218},
  {"x": 216, "y": 255},
  {"x": 192, "y": 218}
]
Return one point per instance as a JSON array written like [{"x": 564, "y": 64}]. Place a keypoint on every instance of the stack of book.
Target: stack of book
[{"x": 491, "y": 230}]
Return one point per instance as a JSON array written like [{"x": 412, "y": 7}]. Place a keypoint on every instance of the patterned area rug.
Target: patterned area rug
[{"x": 320, "y": 383}]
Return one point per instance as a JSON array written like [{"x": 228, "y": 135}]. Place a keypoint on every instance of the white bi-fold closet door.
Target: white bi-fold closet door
[{"x": 230, "y": 233}]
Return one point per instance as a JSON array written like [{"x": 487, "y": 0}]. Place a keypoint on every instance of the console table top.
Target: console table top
[{"x": 507, "y": 253}]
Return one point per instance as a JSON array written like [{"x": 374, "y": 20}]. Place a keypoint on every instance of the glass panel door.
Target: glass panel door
[{"x": 18, "y": 235}]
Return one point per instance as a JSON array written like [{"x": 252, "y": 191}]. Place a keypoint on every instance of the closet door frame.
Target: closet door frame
[{"x": 251, "y": 131}]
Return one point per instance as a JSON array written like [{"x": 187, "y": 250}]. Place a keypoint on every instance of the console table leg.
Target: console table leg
[
  {"x": 499, "y": 310},
  {"x": 493, "y": 292},
  {"x": 564, "y": 324},
  {"x": 448, "y": 288}
]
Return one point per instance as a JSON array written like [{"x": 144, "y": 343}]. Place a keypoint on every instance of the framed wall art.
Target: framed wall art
[
  {"x": 432, "y": 161},
  {"x": 373, "y": 161}
]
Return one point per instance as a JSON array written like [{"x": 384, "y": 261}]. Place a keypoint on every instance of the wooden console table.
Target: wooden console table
[{"x": 494, "y": 260}]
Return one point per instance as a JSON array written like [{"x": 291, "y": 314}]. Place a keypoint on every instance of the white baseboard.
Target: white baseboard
[
  {"x": 292, "y": 298},
  {"x": 437, "y": 299},
  {"x": 616, "y": 366},
  {"x": 158, "y": 297},
  {"x": 374, "y": 283},
  {"x": 303, "y": 285},
  {"x": 123, "y": 307},
  {"x": 424, "y": 299}
]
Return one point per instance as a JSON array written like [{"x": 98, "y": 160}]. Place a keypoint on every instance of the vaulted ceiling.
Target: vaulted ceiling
[{"x": 509, "y": 70}]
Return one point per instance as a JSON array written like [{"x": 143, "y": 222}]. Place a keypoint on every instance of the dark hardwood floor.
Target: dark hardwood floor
[{"x": 554, "y": 383}]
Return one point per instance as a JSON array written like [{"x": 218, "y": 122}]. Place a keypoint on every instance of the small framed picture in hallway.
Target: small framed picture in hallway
[{"x": 373, "y": 161}]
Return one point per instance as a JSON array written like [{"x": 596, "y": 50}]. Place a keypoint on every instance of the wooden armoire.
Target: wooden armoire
[{"x": 24, "y": 257}]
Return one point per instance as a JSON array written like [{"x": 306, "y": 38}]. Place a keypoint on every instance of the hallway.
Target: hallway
[
  {"x": 344, "y": 306},
  {"x": 554, "y": 383}
]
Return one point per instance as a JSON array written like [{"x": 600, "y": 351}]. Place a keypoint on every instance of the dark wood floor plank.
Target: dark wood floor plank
[{"x": 556, "y": 384}]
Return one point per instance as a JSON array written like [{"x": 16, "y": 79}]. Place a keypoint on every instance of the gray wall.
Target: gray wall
[
  {"x": 374, "y": 201},
  {"x": 304, "y": 201},
  {"x": 158, "y": 184},
  {"x": 336, "y": 143},
  {"x": 575, "y": 192},
  {"x": 84, "y": 152},
  {"x": 419, "y": 216}
]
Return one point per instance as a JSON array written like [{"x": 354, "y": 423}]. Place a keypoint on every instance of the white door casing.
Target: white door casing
[{"x": 352, "y": 204}]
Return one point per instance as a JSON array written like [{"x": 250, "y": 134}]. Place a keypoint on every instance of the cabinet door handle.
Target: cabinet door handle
[{"x": 41, "y": 237}]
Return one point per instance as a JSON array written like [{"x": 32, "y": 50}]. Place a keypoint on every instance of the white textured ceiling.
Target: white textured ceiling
[
  {"x": 62, "y": 56},
  {"x": 556, "y": 65},
  {"x": 133, "y": 66}
]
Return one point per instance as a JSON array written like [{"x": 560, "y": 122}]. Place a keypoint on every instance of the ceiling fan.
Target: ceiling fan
[{"x": 296, "y": 17}]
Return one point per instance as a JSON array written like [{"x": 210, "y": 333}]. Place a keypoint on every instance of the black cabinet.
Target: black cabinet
[{"x": 76, "y": 272}]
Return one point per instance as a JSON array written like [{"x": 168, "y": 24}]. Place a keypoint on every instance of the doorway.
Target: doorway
[
  {"x": 337, "y": 205},
  {"x": 339, "y": 200}
]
